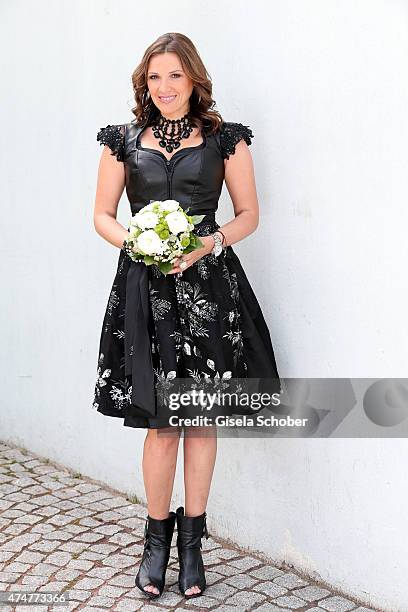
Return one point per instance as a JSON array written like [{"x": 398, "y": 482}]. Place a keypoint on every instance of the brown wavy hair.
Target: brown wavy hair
[{"x": 201, "y": 102}]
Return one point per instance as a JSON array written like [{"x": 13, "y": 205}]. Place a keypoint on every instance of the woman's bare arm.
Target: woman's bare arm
[
  {"x": 110, "y": 185},
  {"x": 240, "y": 182}
]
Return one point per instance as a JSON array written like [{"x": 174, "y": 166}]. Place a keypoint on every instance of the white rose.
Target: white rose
[
  {"x": 133, "y": 231},
  {"x": 177, "y": 222},
  {"x": 169, "y": 205},
  {"x": 147, "y": 220},
  {"x": 148, "y": 207},
  {"x": 149, "y": 243}
]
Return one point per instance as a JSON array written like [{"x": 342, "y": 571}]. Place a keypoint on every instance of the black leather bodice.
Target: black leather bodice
[{"x": 193, "y": 176}]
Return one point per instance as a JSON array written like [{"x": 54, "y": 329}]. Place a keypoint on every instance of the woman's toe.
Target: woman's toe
[{"x": 192, "y": 590}]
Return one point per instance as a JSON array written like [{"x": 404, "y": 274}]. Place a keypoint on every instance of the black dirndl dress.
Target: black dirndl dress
[{"x": 203, "y": 325}]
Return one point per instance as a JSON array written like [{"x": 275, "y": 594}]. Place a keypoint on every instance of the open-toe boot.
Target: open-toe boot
[
  {"x": 157, "y": 543},
  {"x": 190, "y": 530}
]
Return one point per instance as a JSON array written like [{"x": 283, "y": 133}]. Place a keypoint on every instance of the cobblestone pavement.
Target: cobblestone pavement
[{"x": 60, "y": 531}]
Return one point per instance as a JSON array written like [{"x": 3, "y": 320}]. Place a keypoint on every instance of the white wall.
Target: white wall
[{"x": 324, "y": 86}]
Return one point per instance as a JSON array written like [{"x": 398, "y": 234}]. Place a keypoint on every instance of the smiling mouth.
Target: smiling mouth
[{"x": 167, "y": 99}]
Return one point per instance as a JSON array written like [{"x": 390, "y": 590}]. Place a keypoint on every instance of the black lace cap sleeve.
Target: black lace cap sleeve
[
  {"x": 114, "y": 137},
  {"x": 230, "y": 134}
]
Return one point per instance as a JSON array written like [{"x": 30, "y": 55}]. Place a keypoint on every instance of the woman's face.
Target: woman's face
[{"x": 166, "y": 78}]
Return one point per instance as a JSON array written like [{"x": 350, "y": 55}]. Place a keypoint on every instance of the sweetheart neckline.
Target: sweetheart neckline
[{"x": 149, "y": 149}]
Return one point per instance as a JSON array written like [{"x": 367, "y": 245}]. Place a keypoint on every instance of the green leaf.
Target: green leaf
[
  {"x": 197, "y": 218},
  {"x": 165, "y": 266}
]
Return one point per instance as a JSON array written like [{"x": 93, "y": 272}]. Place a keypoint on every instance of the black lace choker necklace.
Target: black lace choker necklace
[{"x": 165, "y": 129}]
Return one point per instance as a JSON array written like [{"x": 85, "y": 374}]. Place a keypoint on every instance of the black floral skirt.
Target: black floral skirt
[{"x": 205, "y": 323}]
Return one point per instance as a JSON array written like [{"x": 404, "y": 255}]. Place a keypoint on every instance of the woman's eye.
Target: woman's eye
[{"x": 153, "y": 76}]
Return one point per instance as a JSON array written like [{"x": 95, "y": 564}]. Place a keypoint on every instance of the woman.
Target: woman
[{"x": 202, "y": 320}]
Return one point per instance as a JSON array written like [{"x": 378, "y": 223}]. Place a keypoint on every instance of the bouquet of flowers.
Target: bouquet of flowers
[{"x": 160, "y": 232}]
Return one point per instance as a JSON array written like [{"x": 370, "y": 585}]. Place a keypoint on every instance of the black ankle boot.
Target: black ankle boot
[
  {"x": 190, "y": 530},
  {"x": 158, "y": 535}
]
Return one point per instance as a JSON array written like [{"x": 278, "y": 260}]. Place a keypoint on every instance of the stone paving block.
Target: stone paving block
[
  {"x": 75, "y": 547},
  {"x": 290, "y": 581},
  {"x": 34, "y": 581},
  {"x": 245, "y": 599},
  {"x": 18, "y": 543},
  {"x": 124, "y": 580},
  {"x": 66, "y": 493},
  {"x": 270, "y": 588},
  {"x": 127, "y": 605},
  {"x": 79, "y": 512},
  {"x": 99, "y": 601},
  {"x": 336, "y": 604},
  {"x": 80, "y": 564},
  {"x": 43, "y": 569},
  {"x": 311, "y": 593},
  {"x": 98, "y": 525},
  {"x": 225, "y": 553},
  {"x": 47, "y": 511},
  {"x": 112, "y": 591},
  {"x": 79, "y": 595},
  {"x": 107, "y": 516},
  {"x": 211, "y": 577},
  {"x": 45, "y": 500},
  {"x": 102, "y": 572},
  {"x": 91, "y": 556},
  {"x": 245, "y": 563},
  {"x": 132, "y": 522},
  {"x": 123, "y": 539},
  {"x": 75, "y": 529},
  {"x": 14, "y": 529},
  {"x": 45, "y": 546},
  {"x": 29, "y": 557},
  {"x": 240, "y": 581},
  {"x": 59, "y": 558},
  {"x": 226, "y": 570},
  {"x": 291, "y": 602},
  {"x": 202, "y": 602},
  {"x": 32, "y": 608},
  {"x": 133, "y": 510},
  {"x": 266, "y": 572},
  {"x": 35, "y": 489},
  {"x": 66, "y": 505},
  {"x": 221, "y": 590},
  {"x": 5, "y": 504},
  {"x": 87, "y": 584},
  {"x": 9, "y": 576},
  {"x": 115, "y": 502},
  {"x": 57, "y": 536},
  {"x": 59, "y": 520},
  {"x": 55, "y": 585},
  {"x": 103, "y": 549},
  {"x": 68, "y": 574},
  {"x": 15, "y": 566},
  {"x": 17, "y": 497},
  {"x": 43, "y": 528}
]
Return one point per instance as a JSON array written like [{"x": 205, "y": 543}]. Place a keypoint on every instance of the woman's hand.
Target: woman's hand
[{"x": 190, "y": 258}]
